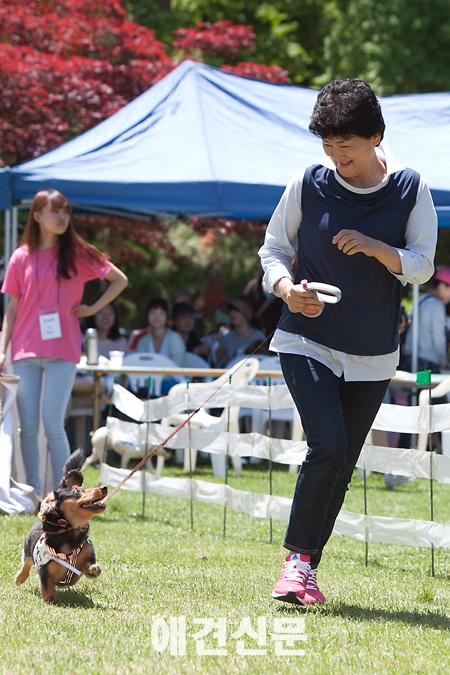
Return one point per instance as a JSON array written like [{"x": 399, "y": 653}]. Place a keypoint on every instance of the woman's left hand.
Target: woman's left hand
[
  {"x": 352, "y": 241},
  {"x": 82, "y": 310}
]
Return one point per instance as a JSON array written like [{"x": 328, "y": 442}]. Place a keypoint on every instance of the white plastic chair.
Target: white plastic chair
[
  {"x": 241, "y": 374},
  {"x": 240, "y": 357},
  {"x": 440, "y": 390},
  {"x": 261, "y": 418},
  {"x": 149, "y": 360},
  {"x": 192, "y": 360}
]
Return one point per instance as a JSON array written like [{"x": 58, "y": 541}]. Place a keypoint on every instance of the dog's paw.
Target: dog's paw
[
  {"x": 93, "y": 571},
  {"x": 20, "y": 578}
]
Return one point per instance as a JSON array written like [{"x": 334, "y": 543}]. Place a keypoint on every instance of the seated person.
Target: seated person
[
  {"x": 242, "y": 333},
  {"x": 183, "y": 316},
  {"x": 267, "y": 306},
  {"x": 110, "y": 336},
  {"x": 432, "y": 347},
  {"x": 157, "y": 338}
]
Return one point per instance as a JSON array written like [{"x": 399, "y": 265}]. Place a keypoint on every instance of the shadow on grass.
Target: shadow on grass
[
  {"x": 435, "y": 620},
  {"x": 69, "y": 597},
  {"x": 420, "y": 618}
]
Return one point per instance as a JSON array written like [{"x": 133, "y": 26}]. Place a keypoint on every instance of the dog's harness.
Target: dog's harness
[{"x": 43, "y": 553}]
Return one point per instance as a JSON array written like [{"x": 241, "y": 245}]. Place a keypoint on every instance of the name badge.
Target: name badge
[{"x": 50, "y": 325}]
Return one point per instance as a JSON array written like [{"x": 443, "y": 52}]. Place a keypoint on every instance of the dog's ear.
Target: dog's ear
[
  {"x": 73, "y": 479},
  {"x": 48, "y": 507},
  {"x": 72, "y": 475}
]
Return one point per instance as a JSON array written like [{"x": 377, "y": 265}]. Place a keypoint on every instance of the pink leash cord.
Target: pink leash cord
[{"x": 149, "y": 456}]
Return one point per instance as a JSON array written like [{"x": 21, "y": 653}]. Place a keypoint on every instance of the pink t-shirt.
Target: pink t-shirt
[{"x": 32, "y": 278}]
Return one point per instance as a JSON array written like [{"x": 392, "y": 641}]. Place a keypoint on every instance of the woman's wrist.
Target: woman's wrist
[{"x": 282, "y": 286}]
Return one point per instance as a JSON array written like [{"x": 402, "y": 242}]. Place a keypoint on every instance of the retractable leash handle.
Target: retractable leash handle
[{"x": 325, "y": 292}]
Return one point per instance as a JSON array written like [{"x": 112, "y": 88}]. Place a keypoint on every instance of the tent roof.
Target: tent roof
[{"x": 205, "y": 142}]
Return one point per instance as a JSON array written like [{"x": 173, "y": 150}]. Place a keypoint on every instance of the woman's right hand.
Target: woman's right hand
[
  {"x": 2, "y": 361},
  {"x": 297, "y": 298}
]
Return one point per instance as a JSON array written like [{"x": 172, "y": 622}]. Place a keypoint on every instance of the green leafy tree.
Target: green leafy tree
[
  {"x": 290, "y": 33},
  {"x": 397, "y": 46}
]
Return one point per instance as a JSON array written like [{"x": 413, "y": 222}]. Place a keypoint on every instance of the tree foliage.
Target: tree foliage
[
  {"x": 289, "y": 33},
  {"x": 398, "y": 46},
  {"x": 65, "y": 66}
]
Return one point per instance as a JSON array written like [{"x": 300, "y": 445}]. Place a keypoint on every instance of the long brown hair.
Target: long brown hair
[{"x": 70, "y": 243}]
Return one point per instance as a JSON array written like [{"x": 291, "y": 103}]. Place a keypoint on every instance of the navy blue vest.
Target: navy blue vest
[{"x": 365, "y": 321}]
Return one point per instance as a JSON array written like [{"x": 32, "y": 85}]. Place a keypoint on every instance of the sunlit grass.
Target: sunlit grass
[{"x": 390, "y": 617}]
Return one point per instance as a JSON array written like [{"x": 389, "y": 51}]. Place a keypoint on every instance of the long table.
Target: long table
[{"x": 402, "y": 378}]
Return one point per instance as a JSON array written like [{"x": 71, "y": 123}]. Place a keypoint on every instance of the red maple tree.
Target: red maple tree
[{"x": 65, "y": 66}]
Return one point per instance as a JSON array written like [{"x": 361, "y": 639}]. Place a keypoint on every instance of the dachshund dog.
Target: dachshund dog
[{"x": 58, "y": 543}]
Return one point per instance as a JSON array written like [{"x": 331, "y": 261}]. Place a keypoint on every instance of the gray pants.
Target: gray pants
[{"x": 57, "y": 382}]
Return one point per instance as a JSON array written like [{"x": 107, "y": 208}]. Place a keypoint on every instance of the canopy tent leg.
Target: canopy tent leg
[
  {"x": 7, "y": 250},
  {"x": 14, "y": 228},
  {"x": 415, "y": 329}
]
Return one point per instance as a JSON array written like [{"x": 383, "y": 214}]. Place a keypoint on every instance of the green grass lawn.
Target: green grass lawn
[{"x": 390, "y": 617}]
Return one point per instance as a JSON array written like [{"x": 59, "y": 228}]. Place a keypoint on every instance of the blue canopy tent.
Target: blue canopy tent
[
  {"x": 205, "y": 142},
  {"x": 200, "y": 141}
]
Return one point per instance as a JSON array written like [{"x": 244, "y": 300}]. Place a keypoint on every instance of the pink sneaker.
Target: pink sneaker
[
  {"x": 312, "y": 593},
  {"x": 291, "y": 585}
]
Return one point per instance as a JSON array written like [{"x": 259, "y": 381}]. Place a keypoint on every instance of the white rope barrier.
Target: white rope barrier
[
  {"x": 216, "y": 442},
  {"x": 399, "y": 461},
  {"x": 403, "y": 419},
  {"x": 379, "y": 529},
  {"x": 406, "y": 462}
]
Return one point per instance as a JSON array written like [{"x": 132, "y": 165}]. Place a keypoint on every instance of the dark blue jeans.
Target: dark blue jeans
[{"x": 336, "y": 417}]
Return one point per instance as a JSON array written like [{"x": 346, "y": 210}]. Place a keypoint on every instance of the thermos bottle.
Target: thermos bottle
[{"x": 92, "y": 346}]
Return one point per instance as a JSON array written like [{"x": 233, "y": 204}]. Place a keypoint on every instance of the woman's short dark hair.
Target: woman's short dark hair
[{"x": 347, "y": 108}]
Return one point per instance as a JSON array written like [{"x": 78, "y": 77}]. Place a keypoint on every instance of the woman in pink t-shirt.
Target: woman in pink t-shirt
[{"x": 45, "y": 280}]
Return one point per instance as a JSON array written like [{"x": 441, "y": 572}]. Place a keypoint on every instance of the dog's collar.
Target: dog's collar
[{"x": 61, "y": 522}]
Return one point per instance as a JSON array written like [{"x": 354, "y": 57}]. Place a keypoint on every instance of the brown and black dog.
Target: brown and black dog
[{"x": 62, "y": 533}]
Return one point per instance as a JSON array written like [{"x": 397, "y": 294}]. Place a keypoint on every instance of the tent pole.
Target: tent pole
[
  {"x": 14, "y": 227},
  {"x": 415, "y": 329},
  {"x": 7, "y": 249}
]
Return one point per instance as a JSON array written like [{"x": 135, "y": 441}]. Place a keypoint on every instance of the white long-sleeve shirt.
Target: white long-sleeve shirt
[{"x": 279, "y": 252}]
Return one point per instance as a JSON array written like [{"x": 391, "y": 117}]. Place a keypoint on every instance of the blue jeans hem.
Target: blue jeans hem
[{"x": 299, "y": 550}]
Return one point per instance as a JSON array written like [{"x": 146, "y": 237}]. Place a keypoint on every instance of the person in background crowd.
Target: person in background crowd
[
  {"x": 197, "y": 301},
  {"x": 213, "y": 337},
  {"x": 266, "y": 306},
  {"x": 158, "y": 338},
  {"x": 432, "y": 346},
  {"x": 183, "y": 317},
  {"x": 242, "y": 333},
  {"x": 45, "y": 279},
  {"x": 362, "y": 222},
  {"x": 110, "y": 336}
]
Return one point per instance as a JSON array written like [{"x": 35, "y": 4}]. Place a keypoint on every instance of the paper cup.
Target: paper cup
[{"x": 116, "y": 358}]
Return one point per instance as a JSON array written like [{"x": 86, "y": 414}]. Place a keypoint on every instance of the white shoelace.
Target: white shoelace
[{"x": 293, "y": 568}]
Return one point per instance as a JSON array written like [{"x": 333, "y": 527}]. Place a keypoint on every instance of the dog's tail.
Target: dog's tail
[{"x": 72, "y": 470}]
